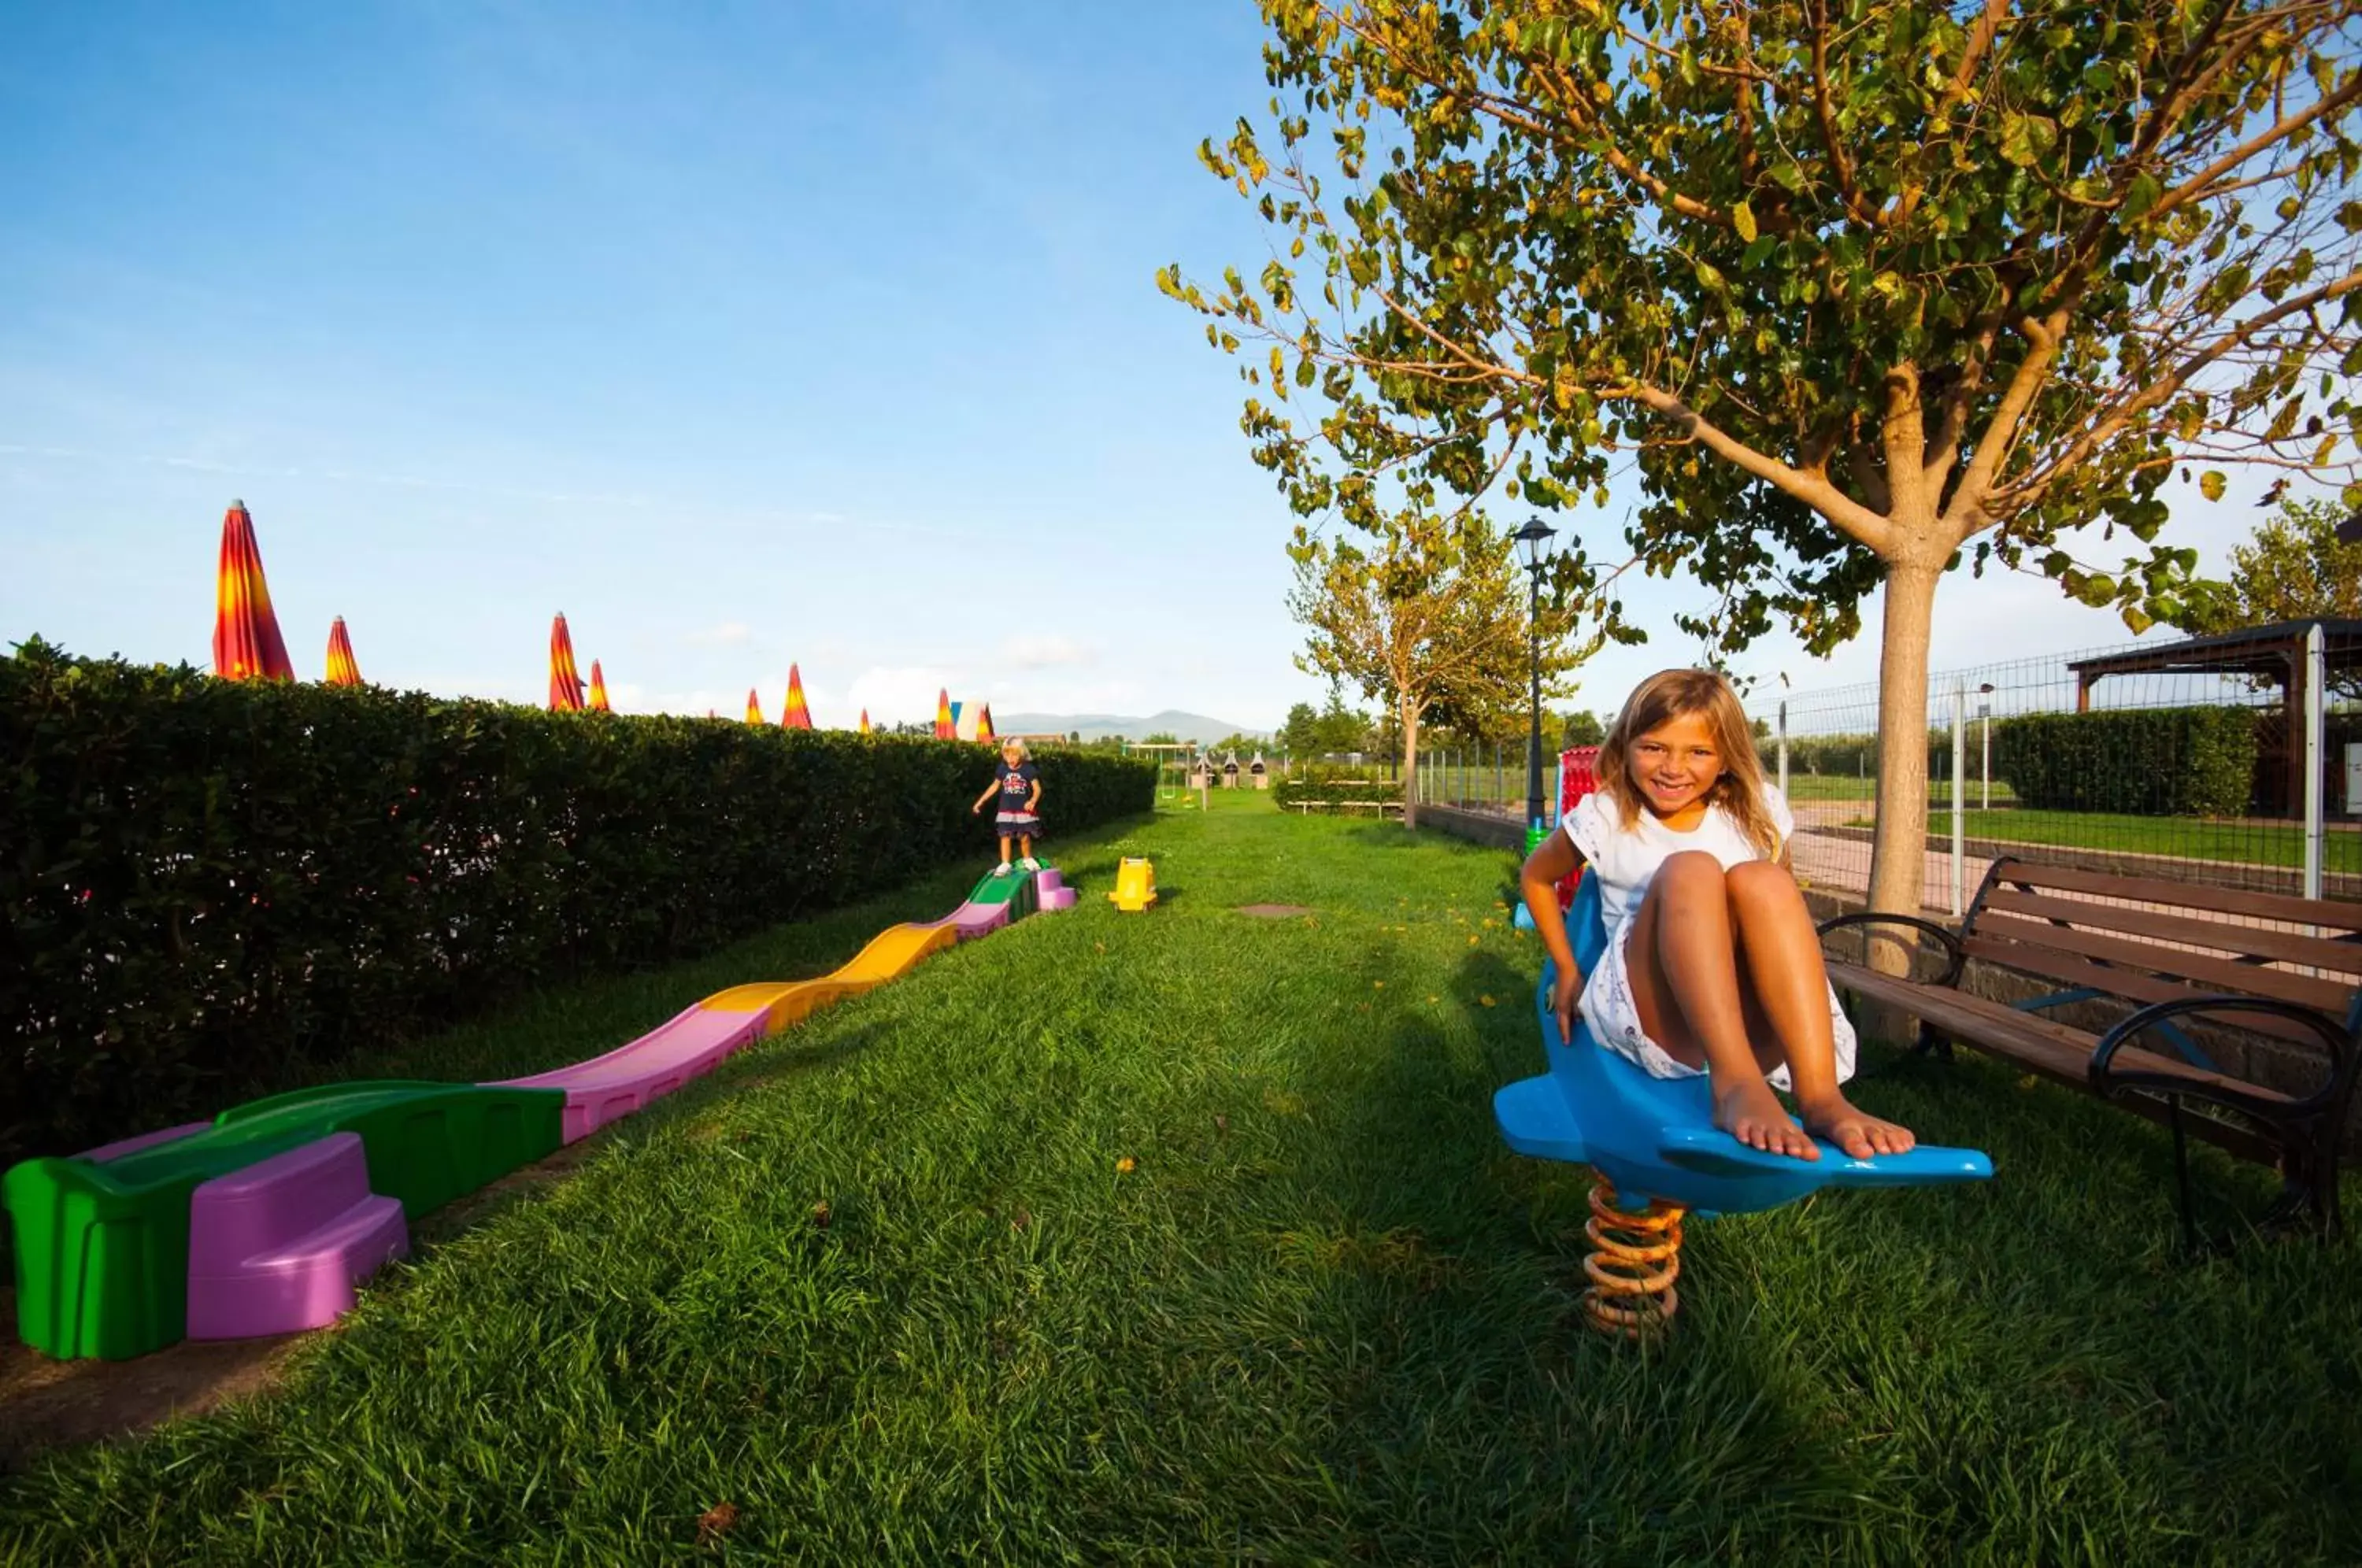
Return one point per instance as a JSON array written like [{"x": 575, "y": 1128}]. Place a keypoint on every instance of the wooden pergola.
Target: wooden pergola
[{"x": 2272, "y": 654}]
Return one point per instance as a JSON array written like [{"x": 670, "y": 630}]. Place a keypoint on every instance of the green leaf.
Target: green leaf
[
  {"x": 1742, "y": 218},
  {"x": 2026, "y": 139},
  {"x": 2209, "y": 484}
]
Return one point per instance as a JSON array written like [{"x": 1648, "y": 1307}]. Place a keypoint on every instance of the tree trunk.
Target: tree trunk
[
  {"x": 1409, "y": 713},
  {"x": 1899, "y": 851}
]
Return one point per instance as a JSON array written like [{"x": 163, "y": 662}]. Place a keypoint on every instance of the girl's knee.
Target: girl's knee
[
  {"x": 1755, "y": 878},
  {"x": 1691, "y": 864}
]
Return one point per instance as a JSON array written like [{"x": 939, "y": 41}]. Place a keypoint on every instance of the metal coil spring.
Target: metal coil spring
[{"x": 1635, "y": 1257}]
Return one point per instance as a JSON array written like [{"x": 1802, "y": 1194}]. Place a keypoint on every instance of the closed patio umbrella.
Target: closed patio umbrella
[
  {"x": 797, "y": 715},
  {"x": 943, "y": 722},
  {"x": 342, "y": 670},
  {"x": 247, "y": 645},
  {"x": 598, "y": 703},
  {"x": 565, "y": 684},
  {"x": 753, "y": 707}
]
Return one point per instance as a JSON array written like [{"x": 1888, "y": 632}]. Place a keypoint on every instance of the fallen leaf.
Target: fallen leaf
[
  {"x": 1487, "y": 1000},
  {"x": 1125, "y": 1165},
  {"x": 820, "y": 1214},
  {"x": 715, "y": 1522},
  {"x": 1435, "y": 999},
  {"x": 1221, "y": 1123},
  {"x": 1019, "y": 1220},
  {"x": 1474, "y": 941}
]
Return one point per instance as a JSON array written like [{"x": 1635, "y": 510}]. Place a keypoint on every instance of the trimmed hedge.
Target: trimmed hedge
[
  {"x": 2141, "y": 761},
  {"x": 1318, "y": 787},
  {"x": 204, "y": 880}
]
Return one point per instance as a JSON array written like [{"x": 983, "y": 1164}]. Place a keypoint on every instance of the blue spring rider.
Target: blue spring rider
[{"x": 1659, "y": 1155}]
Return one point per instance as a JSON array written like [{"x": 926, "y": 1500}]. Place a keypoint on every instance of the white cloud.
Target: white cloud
[{"x": 1039, "y": 650}]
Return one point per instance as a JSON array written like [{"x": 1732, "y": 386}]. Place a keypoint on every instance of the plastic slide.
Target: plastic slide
[{"x": 265, "y": 1219}]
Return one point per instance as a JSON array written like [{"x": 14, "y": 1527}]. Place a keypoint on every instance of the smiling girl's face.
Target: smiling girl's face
[{"x": 1673, "y": 766}]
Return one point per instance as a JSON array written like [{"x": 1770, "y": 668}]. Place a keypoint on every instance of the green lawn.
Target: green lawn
[
  {"x": 887, "y": 1287},
  {"x": 2188, "y": 838}
]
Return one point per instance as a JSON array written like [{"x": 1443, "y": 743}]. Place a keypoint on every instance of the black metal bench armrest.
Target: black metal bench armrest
[
  {"x": 1957, "y": 956},
  {"x": 2333, "y": 1095}
]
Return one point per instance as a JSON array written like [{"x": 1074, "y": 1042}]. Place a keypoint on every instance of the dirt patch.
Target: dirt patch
[
  {"x": 52, "y": 1403},
  {"x": 46, "y": 1403},
  {"x": 1272, "y": 911}
]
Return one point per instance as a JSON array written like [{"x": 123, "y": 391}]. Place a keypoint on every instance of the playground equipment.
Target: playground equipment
[
  {"x": 1577, "y": 777},
  {"x": 1659, "y": 1156},
  {"x": 265, "y": 1219},
  {"x": 1135, "y": 885}
]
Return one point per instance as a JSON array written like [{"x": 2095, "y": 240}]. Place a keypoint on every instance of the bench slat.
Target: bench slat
[
  {"x": 2054, "y": 1050},
  {"x": 2068, "y": 969},
  {"x": 2204, "y": 971},
  {"x": 2338, "y": 914},
  {"x": 2282, "y": 946}
]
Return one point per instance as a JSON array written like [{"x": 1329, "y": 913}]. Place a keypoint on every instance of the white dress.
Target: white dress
[{"x": 1626, "y": 861}]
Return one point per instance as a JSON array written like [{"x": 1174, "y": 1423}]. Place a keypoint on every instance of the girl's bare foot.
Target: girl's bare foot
[
  {"x": 1752, "y": 1113},
  {"x": 1859, "y": 1134}
]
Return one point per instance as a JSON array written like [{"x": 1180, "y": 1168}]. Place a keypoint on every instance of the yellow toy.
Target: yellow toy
[{"x": 1135, "y": 886}]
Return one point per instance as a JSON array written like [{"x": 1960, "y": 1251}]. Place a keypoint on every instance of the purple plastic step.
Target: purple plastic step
[
  {"x": 1050, "y": 890},
  {"x": 280, "y": 1245}
]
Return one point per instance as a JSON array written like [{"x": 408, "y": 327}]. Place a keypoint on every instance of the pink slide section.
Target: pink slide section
[{"x": 608, "y": 1087}]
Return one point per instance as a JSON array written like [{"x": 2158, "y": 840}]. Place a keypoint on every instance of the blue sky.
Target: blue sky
[{"x": 743, "y": 334}]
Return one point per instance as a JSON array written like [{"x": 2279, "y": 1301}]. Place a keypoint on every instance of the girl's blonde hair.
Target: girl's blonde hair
[
  {"x": 1685, "y": 693},
  {"x": 1013, "y": 744}
]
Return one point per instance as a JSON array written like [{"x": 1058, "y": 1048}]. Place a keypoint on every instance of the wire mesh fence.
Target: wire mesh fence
[
  {"x": 2224, "y": 760},
  {"x": 1489, "y": 778}
]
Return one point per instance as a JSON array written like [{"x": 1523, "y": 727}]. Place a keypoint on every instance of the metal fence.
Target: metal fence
[
  {"x": 1485, "y": 778},
  {"x": 2236, "y": 761},
  {"x": 2215, "y": 761}
]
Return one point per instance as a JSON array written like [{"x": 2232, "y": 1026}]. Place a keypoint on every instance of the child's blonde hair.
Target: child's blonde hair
[
  {"x": 1685, "y": 693},
  {"x": 1013, "y": 744}
]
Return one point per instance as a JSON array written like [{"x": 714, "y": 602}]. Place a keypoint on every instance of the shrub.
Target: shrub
[
  {"x": 2141, "y": 761},
  {"x": 204, "y": 880}
]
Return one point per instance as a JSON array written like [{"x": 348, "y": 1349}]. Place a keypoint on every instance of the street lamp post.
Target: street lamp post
[{"x": 1533, "y": 541}]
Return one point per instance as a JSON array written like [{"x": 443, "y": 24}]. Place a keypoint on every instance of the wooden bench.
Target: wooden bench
[{"x": 2286, "y": 971}]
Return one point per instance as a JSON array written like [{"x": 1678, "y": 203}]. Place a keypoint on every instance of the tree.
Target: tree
[
  {"x": 1856, "y": 288},
  {"x": 1580, "y": 728},
  {"x": 1300, "y": 735},
  {"x": 2293, "y": 568},
  {"x": 1431, "y": 616}
]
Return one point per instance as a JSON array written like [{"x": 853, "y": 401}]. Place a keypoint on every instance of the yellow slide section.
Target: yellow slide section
[{"x": 890, "y": 953}]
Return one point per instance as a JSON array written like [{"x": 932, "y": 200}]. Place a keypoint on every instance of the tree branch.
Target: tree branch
[
  {"x": 1839, "y": 164},
  {"x": 1855, "y": 520},
  {"x": 2030, "y": 491},
  {"x": 1966, "y": 513},
  {"x": 2195, "y": 188}
]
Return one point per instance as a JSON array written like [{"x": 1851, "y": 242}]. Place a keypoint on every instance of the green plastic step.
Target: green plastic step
[
  {"x": 1017, "y": 889},
  {"x": 103, "y": 1250}
]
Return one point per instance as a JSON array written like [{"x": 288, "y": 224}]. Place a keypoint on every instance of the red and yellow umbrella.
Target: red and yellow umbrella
[
  {"x": 983, "y": 723},
  {"x": 943, "y": 727},
  {"x": 247, "y": 645},
  {"x": 753, "y": 707},
  {"x": 565, "y": 683},
  {"x": 598, "y": 703},
  {"x": 865, "y": 721},
  {"x": 797, "y": 715},
  {"x": 342, "y": 670}
]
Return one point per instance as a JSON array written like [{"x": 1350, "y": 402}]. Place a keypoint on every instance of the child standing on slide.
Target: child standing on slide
[
  {"x": 1019, "y": 784},
  {"x": 1712, "y": 964}
]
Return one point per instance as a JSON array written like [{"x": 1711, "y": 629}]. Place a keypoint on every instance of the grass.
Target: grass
[
  {"x": 1187, "y": 1237},
  {"x": 2185, "y": 838}
]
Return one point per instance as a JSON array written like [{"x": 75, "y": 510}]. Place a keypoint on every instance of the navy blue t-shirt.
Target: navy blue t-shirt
[{"x": 1016, "y": 784}]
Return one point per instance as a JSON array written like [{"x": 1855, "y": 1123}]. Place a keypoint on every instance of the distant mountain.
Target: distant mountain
[{"x": 1099, "y": 726}]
